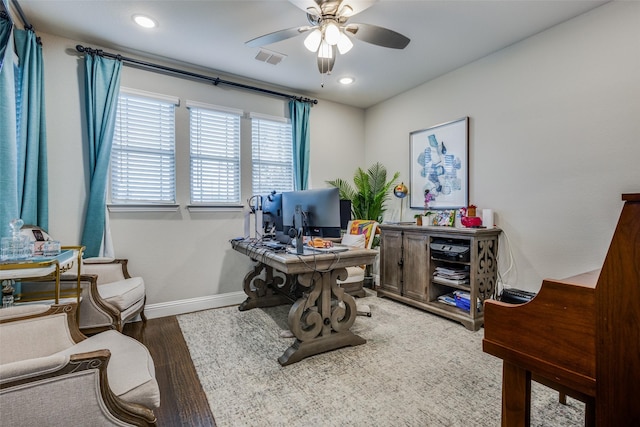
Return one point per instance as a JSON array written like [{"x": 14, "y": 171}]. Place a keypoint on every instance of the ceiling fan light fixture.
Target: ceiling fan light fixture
[
  {"x": 332, "y": 33},
  {"x": 325, "y": 65},
  {"x": 312, "y": 41},
  {"x": 325, "y": 51},
  {"x": 344, "y": 44}
]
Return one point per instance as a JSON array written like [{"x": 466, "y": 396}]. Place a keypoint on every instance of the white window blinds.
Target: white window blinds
[
  {"x": 143, "y": 151},
  {"x": 215, "y": 154},
  {"x": 272, "y": 155}
]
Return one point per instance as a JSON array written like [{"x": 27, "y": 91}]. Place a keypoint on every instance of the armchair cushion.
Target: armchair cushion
[
  {"x": 355, "y": 240},
  {"x": 123, "y": 293},
  {"x": 363, "y": 226},
  {"x": 26, "y": 368},
  {"x": 131, "y": 371},
  {"x": 98, "y": 260}
]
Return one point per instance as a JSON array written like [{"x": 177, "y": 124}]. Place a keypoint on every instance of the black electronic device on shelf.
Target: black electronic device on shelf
[
  {"x": 450, "y": 249},
  {"x": 516, "y": 296}
]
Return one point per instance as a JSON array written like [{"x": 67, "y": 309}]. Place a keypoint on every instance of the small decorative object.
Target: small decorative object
[
  {"x": 487, "y": 218},
  {"x": 444, "y": 218},
  {"x": 469, "y": 218},
  {"x": 7, "y": 293},
  {"x": 51, "y": 248},
  {"x": 17, "y": 246},
  {"x": 428, "y": 197},
  {"x": 471, "y": 210},
  {"x": 401, "y": 191}
]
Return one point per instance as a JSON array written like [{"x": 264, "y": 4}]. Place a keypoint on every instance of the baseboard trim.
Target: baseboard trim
[{"x": 174, "y": 308}]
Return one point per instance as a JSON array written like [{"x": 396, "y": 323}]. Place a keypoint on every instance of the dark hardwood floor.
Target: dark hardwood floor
[{"x": 182, "y": 400}]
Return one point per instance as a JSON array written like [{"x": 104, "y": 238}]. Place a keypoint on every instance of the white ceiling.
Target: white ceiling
[{"x": 211, "y": 34}]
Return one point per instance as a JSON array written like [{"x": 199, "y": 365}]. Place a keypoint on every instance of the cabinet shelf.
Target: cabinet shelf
[
  {"x": 462, "y": 286},
  {"x": 450, "y": 261},
  {"x": 408, "y": 264}
]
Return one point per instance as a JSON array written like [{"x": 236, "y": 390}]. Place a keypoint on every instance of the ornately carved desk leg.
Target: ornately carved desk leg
[
  {"x": 321, "y": 321},
  {"x": 267, "y": 292}
]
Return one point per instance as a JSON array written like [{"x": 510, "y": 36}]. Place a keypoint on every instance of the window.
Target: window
[
  {"x": 143, "y": 152},
  {"x": 272, "y": 155},
  {"x": 215, "y": 154}
]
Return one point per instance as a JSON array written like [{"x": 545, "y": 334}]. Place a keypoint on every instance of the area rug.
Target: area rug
[{"x": 416, "y": 369}]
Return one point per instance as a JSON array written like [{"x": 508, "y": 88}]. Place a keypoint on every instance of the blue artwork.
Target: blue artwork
[{"x": 440, "y": 168}]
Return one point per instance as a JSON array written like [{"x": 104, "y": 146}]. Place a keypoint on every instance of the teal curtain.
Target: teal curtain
[
  {"x": 5, "y": 31},
  {"x": 102, "y": 84},
  {"x": 8, "y": 146},
  {"x": 299, "y": 113},
  {"x": 33, "y": 194}
]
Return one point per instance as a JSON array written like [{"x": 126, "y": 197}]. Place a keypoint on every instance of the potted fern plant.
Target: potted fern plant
[
  {"x": 369, "y": 192},
  {"x": 368, "y": 195}
]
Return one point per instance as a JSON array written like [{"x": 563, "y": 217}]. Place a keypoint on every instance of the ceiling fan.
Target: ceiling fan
[{"x": 329, "y": 32}]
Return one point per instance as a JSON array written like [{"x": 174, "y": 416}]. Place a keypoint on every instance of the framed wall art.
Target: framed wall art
[{"x": 439, "y": 159}]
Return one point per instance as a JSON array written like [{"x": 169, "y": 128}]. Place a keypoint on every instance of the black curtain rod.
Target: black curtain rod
[
  {"x": 27, "y": 25},
  {"x": 215, "y": 80},
  {"x": 25, "y": 22}
]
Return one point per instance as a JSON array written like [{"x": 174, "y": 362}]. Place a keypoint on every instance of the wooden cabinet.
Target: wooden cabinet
[{"x": 412, "y": 260}]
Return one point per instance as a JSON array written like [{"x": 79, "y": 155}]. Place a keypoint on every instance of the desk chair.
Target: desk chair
[{"x": 360, "y": 234}]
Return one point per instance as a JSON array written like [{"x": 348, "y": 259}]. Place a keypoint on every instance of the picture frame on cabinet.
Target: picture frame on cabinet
[{"x": 439, "y": 162}]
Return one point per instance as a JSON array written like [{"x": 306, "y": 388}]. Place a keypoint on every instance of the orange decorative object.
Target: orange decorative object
[
  {"x": 320, "y": 243},
  {"x": 471, "y": 210}
]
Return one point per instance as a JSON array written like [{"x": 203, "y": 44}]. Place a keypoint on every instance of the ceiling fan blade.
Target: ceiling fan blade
[
  {"x": 307, "y": 5},
  {"x": 277, "y": 36},
  {"x": 378, "y": 35}
]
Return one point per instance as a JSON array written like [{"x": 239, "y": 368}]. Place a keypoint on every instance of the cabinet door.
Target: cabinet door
[
  {"x": 391, "y": 260},
  {"x": 416, "y": 266}
]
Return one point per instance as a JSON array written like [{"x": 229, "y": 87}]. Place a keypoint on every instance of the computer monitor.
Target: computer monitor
[
  {"x": 272, "y": 213},
  {"x": 320, "y": 211},
  {"x": 345, "y": 213}
]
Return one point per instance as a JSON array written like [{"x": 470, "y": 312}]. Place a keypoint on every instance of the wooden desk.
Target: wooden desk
[{"x": 321, "y": 318}]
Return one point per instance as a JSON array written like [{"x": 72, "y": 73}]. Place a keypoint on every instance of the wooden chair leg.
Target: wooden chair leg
[
  {"x": 142, "y": 315},
  {"x": 562, "y": 398}
]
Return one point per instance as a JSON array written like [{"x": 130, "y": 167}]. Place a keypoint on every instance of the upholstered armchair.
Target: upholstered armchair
[
  {"x": 51, "y": 374},
  {"x": 360, "y": 234},
  {"x": 110, "y": 296}
]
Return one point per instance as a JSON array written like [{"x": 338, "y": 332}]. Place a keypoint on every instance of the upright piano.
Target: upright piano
[{"x": 580, "y": 336}]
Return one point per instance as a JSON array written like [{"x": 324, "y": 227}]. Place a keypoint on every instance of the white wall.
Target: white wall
[
  {"x": 553, "y": 144},
  {"x": 182, "y": 255},
  {"x": 554, "y": 126}
]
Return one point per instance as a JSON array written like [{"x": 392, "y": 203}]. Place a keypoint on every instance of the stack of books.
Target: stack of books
[
  {"x": 448, "y": 299},
  {"x": 463, "y": 300},
  {"x": 451, "y": 276}
]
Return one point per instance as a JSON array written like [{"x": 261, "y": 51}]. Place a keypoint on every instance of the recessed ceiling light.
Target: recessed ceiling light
[
  {"x": 144, "y": 21},
  {"x": 346, "y": 80}
]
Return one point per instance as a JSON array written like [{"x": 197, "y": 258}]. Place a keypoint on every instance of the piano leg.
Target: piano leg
[{"x": 516, "y": 396}]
